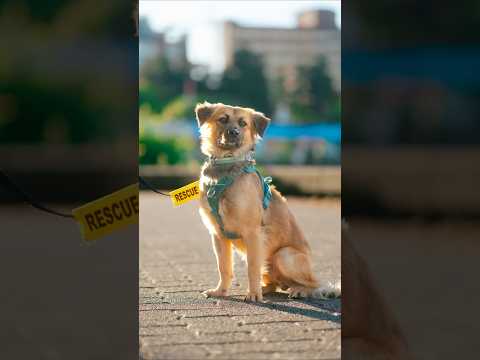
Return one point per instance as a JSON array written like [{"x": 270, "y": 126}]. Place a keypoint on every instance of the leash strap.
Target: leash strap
[
  {"x": 150, "y": 186},
  {"x": 9, "y": 184}
]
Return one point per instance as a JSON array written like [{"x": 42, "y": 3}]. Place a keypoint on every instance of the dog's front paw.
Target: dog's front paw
[
  {"x": 215, "y": 293},
  {"x": 254, "y": 296}
]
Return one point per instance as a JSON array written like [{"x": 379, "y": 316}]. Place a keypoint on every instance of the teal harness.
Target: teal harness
[{"x": 215, "y": 191}]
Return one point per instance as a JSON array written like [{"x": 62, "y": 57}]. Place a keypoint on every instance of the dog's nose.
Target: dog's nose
[{"x": 233, "y": 132}]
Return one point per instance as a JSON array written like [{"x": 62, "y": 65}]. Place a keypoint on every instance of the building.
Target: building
[
  {"x": 153, "y": 44},
  {"x": 284, "y": 49}
]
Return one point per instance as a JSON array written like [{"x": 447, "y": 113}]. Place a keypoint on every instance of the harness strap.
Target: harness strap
[{"x": 214, "y": 192}]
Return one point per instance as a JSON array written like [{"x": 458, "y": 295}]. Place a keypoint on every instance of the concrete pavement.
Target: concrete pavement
[{"x": 177, "y": 263}]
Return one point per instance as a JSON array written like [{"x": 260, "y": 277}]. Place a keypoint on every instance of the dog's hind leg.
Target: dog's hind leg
[
  {"x": 292, "y": 268},
  {"x": 268, "y": 285}
]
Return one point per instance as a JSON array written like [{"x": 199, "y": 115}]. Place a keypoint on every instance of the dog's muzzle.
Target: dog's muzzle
[
  {"x": 232, "y": 134},
  {"x": 231, "y": 138}
]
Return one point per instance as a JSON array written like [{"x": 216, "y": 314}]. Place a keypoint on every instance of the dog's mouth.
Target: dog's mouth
[{"x": 226, "y": 144}]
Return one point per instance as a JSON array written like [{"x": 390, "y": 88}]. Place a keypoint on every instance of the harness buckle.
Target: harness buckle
[{"x": 211, "y": 192}]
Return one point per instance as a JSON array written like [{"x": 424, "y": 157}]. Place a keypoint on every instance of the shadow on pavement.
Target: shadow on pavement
[{"x": 327, "y": 309}]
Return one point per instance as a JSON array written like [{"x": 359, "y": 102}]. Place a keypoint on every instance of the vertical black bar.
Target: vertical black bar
[
  {"x": 410, "y": 145},
  {"x": 68, "y": 135}
]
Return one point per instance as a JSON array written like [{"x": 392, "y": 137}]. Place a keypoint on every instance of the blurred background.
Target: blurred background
[
  {"x": 410, "y": 91},
  {"x": 68, "y": 135},
  {"x": 67, "y": 95},
  {"x": 286, "y": 64},
  {"x": 410, "y": 155}
]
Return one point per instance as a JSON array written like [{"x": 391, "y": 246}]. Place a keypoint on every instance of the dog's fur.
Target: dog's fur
[{"x": 276, "y": 250}]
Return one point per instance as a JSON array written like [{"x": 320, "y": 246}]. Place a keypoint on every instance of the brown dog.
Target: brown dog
[{"x": 277, "y": 253}]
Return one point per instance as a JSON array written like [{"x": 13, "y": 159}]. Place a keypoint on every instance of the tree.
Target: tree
[
  {"x": 245, "y": 82},
  {"x": 314, "y": 96},
  {"x": 160, "y": 83}
]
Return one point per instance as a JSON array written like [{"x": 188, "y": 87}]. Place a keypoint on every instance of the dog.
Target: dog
[{"x": 249, "y": 215}]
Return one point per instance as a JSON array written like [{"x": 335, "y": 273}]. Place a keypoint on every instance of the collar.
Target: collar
[{"x": 247, "y": 157}]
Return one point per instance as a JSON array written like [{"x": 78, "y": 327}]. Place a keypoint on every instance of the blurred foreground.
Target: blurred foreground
[
  {"x": 62, "y": 300},
  {"x": 428, "y": 274}
]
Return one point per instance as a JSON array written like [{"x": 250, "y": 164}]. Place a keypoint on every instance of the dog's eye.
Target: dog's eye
[
  {"x": 223, "y": 119},
  {"x": 242, "y": 123}
]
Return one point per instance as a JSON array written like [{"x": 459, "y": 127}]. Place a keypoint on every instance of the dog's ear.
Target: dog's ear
[
  {"x": 261, "y": 123},
  {"x": 203, "y": 112}
]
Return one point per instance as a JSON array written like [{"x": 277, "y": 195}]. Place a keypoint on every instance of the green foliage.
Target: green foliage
[
  {"x": 59, "y": 96},
  {"x": 245, "y": 84},
  {"x": 160, "y": 83},
  {"x": 181, "y": 107},
  {"x": 314, "y": 96},
  {"x": 35, "y": 106},
  {"x": 45, "y": 11},
  {"x": 335, "y": 109},
  {"x": 166, "y": 150}
]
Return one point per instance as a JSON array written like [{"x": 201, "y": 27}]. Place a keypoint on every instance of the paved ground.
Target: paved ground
[
  {"x": 177, "y": 263},
  {"x": 61, "y": 299}
]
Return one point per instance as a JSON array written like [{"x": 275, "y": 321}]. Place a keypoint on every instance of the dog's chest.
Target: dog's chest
[
  {"x": 227, "y": 198},
  {"x": 228, "y": 207}
]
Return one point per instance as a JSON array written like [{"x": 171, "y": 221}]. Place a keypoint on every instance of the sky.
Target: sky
[{"x": 202, "y": 21}]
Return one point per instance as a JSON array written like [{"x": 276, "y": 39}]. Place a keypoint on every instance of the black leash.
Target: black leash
[
  {"x": 10, "y": 185},
  {"x": 150, "y": 186}
]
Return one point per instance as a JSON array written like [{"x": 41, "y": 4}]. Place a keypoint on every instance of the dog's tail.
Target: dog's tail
[{"x": 328, "y": 290}]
